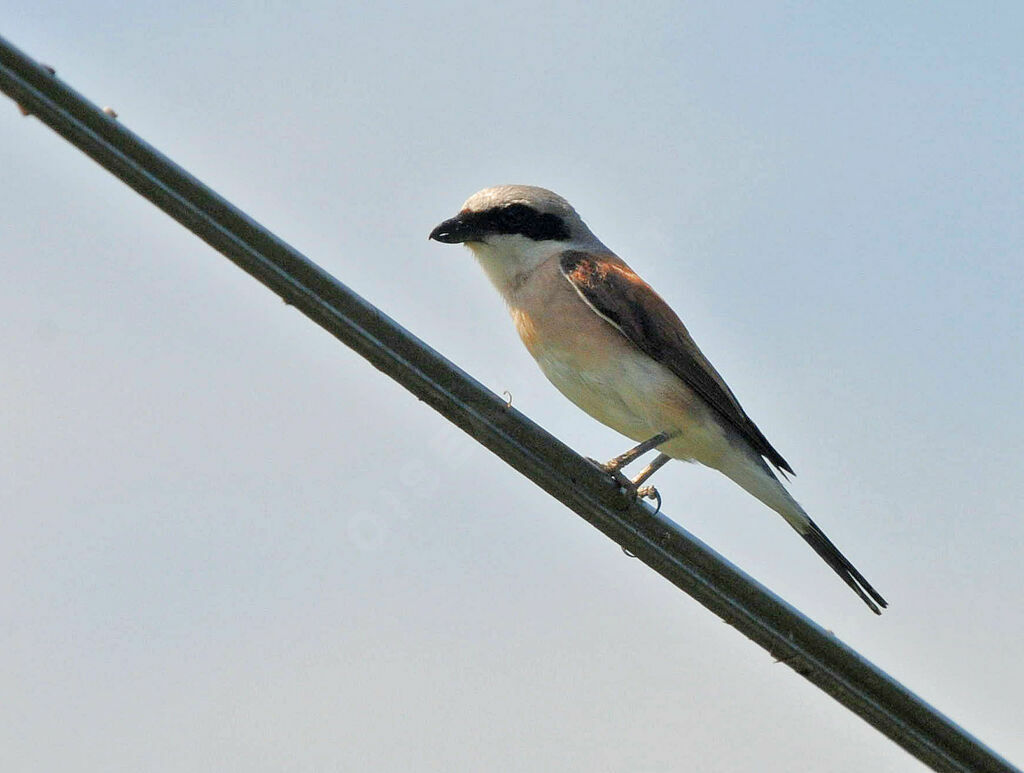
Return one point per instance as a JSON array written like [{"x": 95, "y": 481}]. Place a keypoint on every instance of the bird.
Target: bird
[{"x": 610, "y": 344}]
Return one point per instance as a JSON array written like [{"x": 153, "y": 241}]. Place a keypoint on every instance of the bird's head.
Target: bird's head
[{"x": 512, "y": 229}]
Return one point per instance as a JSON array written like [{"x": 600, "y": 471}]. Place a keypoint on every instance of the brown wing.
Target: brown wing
[{"x": 614, "y": 291}]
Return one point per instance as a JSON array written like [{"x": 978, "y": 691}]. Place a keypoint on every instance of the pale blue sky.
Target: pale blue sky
[{"x": 228, "y": 543}]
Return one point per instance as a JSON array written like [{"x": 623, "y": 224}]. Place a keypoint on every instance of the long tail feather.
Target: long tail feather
[
  {"x": 840, "y": 564},
  {"x": 752, "y": 473}
]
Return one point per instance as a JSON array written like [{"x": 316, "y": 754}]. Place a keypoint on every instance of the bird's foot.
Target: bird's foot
[
  {"x": 649, "y": 492},
  {"x": 616, "y": 472},
  {"x": 631, "y": 488}
]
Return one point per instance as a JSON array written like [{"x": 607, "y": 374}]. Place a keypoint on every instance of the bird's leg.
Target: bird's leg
[
  {"x": 614, "y": 465},
  {"x": 650, "y": 492}
]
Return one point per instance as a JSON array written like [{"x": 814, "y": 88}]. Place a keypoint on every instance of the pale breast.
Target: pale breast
[{"x": 587, "y": 359}]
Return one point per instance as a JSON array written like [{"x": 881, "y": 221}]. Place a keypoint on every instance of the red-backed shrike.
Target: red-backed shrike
[{"x": 610, "y": 344}]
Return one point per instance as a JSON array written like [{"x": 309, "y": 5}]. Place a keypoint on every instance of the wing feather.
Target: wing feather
[{"x": 627, "y": 302}]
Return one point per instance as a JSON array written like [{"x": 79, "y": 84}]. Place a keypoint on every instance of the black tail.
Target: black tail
[{"x": 823, "y": 547}]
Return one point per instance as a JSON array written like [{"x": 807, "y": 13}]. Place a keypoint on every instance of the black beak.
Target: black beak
[{"x": 456, "y": 231}]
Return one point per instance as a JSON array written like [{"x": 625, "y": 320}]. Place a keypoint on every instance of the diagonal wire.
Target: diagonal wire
[{"x": 684, "y": 560}]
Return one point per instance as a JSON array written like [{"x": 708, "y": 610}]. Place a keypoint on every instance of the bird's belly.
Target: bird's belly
[
  {"x": 634, "y": 395},
  {"x": 611, "y": 397}
]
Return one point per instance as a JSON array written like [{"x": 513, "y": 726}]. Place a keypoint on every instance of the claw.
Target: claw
[{"x": 649, "y": 492}]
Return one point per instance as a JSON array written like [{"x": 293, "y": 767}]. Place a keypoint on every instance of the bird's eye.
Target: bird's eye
[{"x": 515, "y": 215}]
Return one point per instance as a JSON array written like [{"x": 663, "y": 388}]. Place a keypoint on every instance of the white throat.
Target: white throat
[{"x": 509, "y": 260}]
